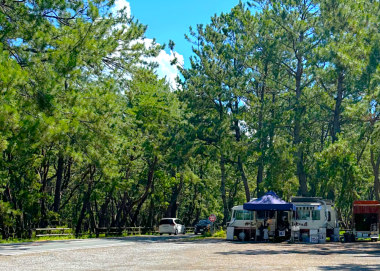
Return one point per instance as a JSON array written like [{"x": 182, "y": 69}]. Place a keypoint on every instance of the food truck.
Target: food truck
[
  {"x": 315, "y": 219},
  {"x": 366, "y": 217},
  {"x": 242, "y": 225},
  {"x": 309, "y": 219},
  {"x": 269, "y": 211}
]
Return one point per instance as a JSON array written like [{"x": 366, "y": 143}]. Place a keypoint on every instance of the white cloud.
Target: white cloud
[
  {"x": 165, "y": 69},
  {"x": 120, "y": 4}
]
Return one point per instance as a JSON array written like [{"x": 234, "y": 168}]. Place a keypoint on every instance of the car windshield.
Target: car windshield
[{"x": 166, "y": 221}]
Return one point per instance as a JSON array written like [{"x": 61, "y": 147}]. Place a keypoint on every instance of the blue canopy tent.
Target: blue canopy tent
[{"x": 269, "y": 202}]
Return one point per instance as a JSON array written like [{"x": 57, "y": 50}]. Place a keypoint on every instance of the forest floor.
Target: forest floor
[{"x": 176, "y": 253}]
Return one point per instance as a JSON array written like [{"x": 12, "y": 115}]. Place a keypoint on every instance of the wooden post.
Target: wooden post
[{"x": 139, "y": 230}]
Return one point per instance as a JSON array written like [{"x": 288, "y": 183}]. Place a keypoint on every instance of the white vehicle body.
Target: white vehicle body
[
  {"x": 314, "y": 214},
  {"x": 171, "y": 226},
  {"x": 311, "y": 214},
  {"x": 244, "y": 222}
]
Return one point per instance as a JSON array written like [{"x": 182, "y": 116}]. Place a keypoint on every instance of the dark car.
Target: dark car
[{"x": 202, "y": 226}]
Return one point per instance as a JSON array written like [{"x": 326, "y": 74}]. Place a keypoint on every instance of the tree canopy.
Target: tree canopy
[{"x": 279, "y": 95}]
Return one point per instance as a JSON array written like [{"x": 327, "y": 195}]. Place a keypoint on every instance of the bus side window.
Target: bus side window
[
  {"x": 239, "y": 215},
  {"x": 329, "y": 216}
]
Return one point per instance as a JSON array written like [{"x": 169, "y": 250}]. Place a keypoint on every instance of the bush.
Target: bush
[{"x": 220, "y": 234}]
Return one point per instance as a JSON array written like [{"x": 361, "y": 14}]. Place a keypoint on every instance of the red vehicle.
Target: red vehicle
[{"x": 366, "y": 217}]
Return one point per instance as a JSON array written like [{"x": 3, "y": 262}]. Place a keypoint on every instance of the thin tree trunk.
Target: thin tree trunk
[
  {"x": 338, "y": 103},
  {"x": 223, "y": 190},
  {"x": 137, "y": 211},
  {"x": 240, "y": 163},
  {"x": 43, "y": 222},
  {"x": 57, "y": 196},
  {"x": 262, "y": 137},
  {"x": 152, "y": 167},
  {"x": 86, "y": 201},
  {"x": 171, "y": 210},
  {"x": 297, "y": 128},
  {"x": 244, "y": 178},
  {"x": 375, "y": 168},
  {"x": 123, "y": 203}
]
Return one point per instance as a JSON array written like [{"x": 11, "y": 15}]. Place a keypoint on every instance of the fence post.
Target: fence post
[{"x": 139, "y": 230}]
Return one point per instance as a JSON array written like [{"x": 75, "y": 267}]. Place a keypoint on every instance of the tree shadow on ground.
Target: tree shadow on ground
[
  {"x": 352, "y": 249},
  {"x": 350, "y": 267}
]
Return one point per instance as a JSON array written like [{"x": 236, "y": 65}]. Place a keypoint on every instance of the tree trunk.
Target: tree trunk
[
  {"x": 57, "y": 196},
  {"x": 338, "y": 103},
  {"x": 151, "y": 213},
  {"x": 171, "y": 210},
  {"x": 297, "y": 128},
  {"x": 86, "y": 201},
  {"x": 262, "y": 137},
  {"x": 259, "y": 180},
  {"x": 240, "y": 163},
  {"x": 152, "y": 167},
  {"x": 122, "y": 205},
  {"x": 223, "y": 190},
  {"x": 244, "y": 178},
  {"x": 43, "y": 221},
  {"x": 134, "y": 219},
  {"x": 375, "y": 168}
]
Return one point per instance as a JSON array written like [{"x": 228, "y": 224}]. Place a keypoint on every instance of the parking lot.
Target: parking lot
[{"x": 176, "y": 253}]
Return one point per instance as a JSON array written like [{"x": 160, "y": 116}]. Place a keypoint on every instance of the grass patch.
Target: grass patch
[
  {"x": 220, "y": 234},
  {"x": 66, "y": 237}
]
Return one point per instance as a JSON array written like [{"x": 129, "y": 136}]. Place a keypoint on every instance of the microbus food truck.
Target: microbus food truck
[
  {"x": 310, "y": 220},
  {"x": 366, "y": 217},
  {"x": 315, "y": 218}
]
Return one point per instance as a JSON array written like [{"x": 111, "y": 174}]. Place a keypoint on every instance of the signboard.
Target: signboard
[
  {"x": 212, "y": 218},
  {"x": 281, "y": 233}
]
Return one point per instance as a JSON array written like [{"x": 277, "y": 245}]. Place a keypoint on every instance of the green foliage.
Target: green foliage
[{"x": 281, "y": 97}]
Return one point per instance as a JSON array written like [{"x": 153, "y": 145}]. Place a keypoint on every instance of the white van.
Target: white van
[{"x": 171, "y": 225}]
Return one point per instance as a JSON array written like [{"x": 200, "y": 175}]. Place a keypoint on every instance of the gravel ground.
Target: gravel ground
[{"x": 210, "y": 254}]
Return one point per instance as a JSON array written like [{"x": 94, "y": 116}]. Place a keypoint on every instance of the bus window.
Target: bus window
[
  {"x": 239, "y": 214},
  {"x": 243, "y": 215},
  {"x": 316, "y": 215},
  {"x": 248, "y": 215},
  {"x": 303, "y": 214},
  {"x": 329, "y": 216}
]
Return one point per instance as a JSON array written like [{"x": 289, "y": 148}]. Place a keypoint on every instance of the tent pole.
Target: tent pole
[{"x": 256, "y": 227}]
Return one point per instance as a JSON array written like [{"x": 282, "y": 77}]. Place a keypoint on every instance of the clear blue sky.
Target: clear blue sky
[{"x": 171, "y": 19}]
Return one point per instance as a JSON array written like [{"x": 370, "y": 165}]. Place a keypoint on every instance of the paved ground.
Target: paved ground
[
  {"x": 163, "y": 253},
  {"x": 64, "y": 245}
]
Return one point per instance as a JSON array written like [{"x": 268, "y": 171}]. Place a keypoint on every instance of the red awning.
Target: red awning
[{"x": 366, "y": 207}]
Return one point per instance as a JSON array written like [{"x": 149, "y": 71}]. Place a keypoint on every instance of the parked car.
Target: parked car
[
  {"x": 171, "y": 225},
  {"x": 202, "y": 226}
]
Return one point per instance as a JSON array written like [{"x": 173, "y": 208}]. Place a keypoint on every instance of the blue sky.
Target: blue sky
[{"x": 171, "y": 19}]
